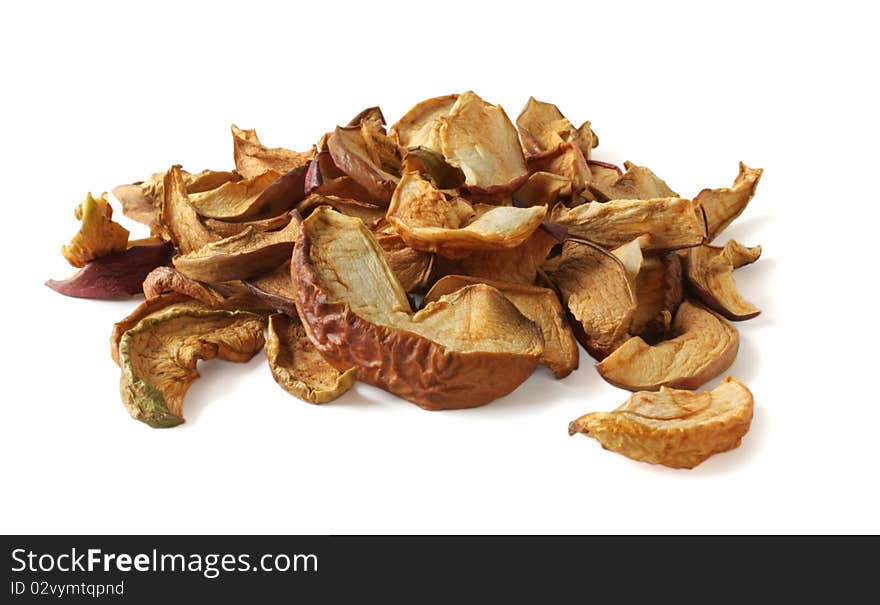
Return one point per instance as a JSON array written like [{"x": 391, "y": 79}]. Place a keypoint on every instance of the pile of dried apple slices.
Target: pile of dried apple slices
[{"x": 442, "y": 259}]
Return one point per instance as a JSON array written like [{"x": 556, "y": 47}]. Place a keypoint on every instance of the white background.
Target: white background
[{"x": 95, "y": 95}]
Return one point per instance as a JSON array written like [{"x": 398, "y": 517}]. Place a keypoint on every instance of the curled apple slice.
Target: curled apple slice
[
  {"x": 710, "y": 274},
  {"x": 637, "y": 183},
  {"x": 659, "y": 290},
  {"x": 266, "y": 195},
  {"x": 675, "y": 428},
  {"x": 671, "y": 222},
  {"x": 180, "y": 222},
  {"x": 98, "y": 233},
  {"x": 427, "y": 220},
  {"x": 594, "y": 286},
  {"x": 413, "y": 268},
  {"x": 240, "y": 256},
  {"x": 519, "y": 264},
  {"x": 158, "y": 356},
  {"x": 723, "y": 205},
  {"x": 297, "y": 366},
  {"x": 353, "y": 154},
  {"x": 356, "y": 314},
  {"x": 541, "y": 305},
  {"x": 479, "y": 138},
  {"x": 252, "y": 158},
  {"x": 704, "y": 346},
  {"x": 420, "y": 126}
]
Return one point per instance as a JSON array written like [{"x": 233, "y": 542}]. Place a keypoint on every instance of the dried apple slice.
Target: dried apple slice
[
  {"x": 114, "y": 275},
  {"x": 542, "y": 189},
  {"x": 142, "y": 201},
  {"x": 275, "y": 289},
  {"x": 722, "y": 206},
  {"x": 227, "y": 228},
  {"x": 98, "y": 234},
  {"x": 427, "y": 220},
  {"x": 594, "y": 286},
  {"x": 158, "y": 356},
  {"x": 412, "y": 268},
  {"x": 298, "y": 367},
  {"x": 630, "y": 255},
  {"x": 362, "y": 210},
  {"x": 351, "y": 153},
  {"x": 267, "y": 195},
  {"x": 163, "y": 280},
  {"x": 710, "y": 275},
  {"x": 671, "y": 222},
  {"x": 543, "y": 128},
  {"x": 240, "y": 256},
  {"x": 479, "y": 138},
  {"x": 356, "y": 313},
  {"x": 180, "y": 222},
  {"x": 637, "y": 183},
  {"x": 675, "y": 428},
  {"x": 567, "y": 161},
  {"x": 704, "y": 346},
  {"x": 146, "y": 308},
  {"x": 659, "y": 291},
  {"x": 541, "y": 305},
  {"x": 431, "y": 162},
  {"x": 420, "y": 126},
  {"x": 252, "y": 158},
  {"x": 518, "y": 265}
]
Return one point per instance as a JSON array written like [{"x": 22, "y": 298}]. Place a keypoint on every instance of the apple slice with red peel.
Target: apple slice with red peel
[{"x": 710, "y": 276}]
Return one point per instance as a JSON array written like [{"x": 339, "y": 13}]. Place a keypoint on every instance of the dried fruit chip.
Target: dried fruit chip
[
  {"x": 159, "y": 355},
  {"x": 148, "y": 307},
  {"x": 427, "y": 220},
  {"x": 479, "y": 138},
  {"x": 98, "y": 234},
  {"x": 538, "y": 304},
  {"x": 420, "y": 127},
  {"x": 518, "y": 265},
  {"x": 543, "y": 128},
  {"x": 368, "y": 213},
  {"x": 267, "y": 195},
  {"x": 427, "y": 161},
  {"x": 163, "y": 280},
  {"x": 542, "y": 189},
  {"x": 671, "y": 222},
  {"x": 226, "y": 228},
  {"x": 594, "y": 286},
  {"x": 351, "y": 152},
  {"x": 180, "y": 221},
  {"x": 356, "y": 313},
  {"x": 252, "y": 158},
  {"x": 298, "y": 367},
  {"x": 722, "y": 206},
  {"x": 412, "y": 268},
  {"x": 637, "y": 183},
  {"x": 659, "y": 291},
  {"x": 115, "y": 275},
  {"x": 675, "y": 428},
  {"x": 704, "y": 346},
  {"x": 275, "y": 289},
  {"x": 240, "y": 256},
  {"x": 710, "y": 275}
]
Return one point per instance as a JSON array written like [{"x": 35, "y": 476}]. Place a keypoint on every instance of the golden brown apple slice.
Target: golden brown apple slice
[
  {"x": 227, "y": 228},
  {"x": 463, "y": 350},
  {"x": 722, "y": 206},
  {"x": 519, "y": 264},
  {"x": 674, "y": 428},
  {"x": 420, "y": 126},
  {"x": 252, "y": 158},
  {"x": 351, "y": 152},
  {"x": 479, "y": 138},
  {"x": 543, "y": 129},
  {"x": 637, "y": 183},
  {"x": 412, "y": 268},
  {"x": 180, "y": 222},
  {"x": 427, "y": 220},
  {"x": 158, "y": 356},
  {"x": 542, "y": 189},
  {"x": 541, "y": 305},
  {"x": 368, "y": 213},
  {"x": 267, "y": 195},
  {"x": 594, "y": 286},
  {"x": 239, "y": 256},
  {"x": 671, "y": 222},
  {"x": 704, "y": 346},
  {"x": 98, "y": 235},
  {"x": 297, "y": 366},
  {"x": 710, "y": 274}
]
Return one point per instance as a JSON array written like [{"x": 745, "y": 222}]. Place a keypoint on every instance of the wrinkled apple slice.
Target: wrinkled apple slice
[
  {"x": 180, "y": 222},
  {"x": 420, "y": 126},
  {"x": 114, "y": 275},
  {"x": 351, "y": 153},
  {"x": 163, "y": 280},
  {"x": 146, "y": 308},
  {"x": 240, "y": 256},
  {"x": 227, "y": 228},
  {"x": 637, "y": 183},
  {"x": 98, "y": 233},
  {"x": 267, "y": 195},
  {"x": 567, "y": 161},
  {"x": 543, "y": 128},
  {"x": 158, "y": 356},
  {"x": 275, "y": 289},
  {"x": 542, "y": 189},
  {"x": 479, "y": 138},
  {"x": 252, "y": 158},
  {"x": 722, "y": 206},
  {"x": 659, "y": 291},
  {"x": 671, "y": 427},
  {"x": 594, "y": 286},
  {"x": 630, "y": 255},
  {"x": 428, "y": 221},
  {"x": 710, "y": 274},
  {"x": 431, "y": 162},
  {"x": 671, "y": 222},
  {"x": 704, "y": 346},
  {"x": 540, "y": 305},
  {"x": 298, "y": 367},
  {"x": 142, "y": 201},
  {"x": 362, "y": 210},
  {"x": 356, "y": 314}
]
